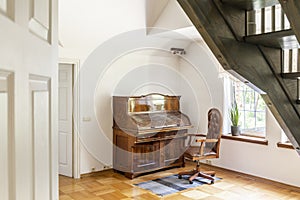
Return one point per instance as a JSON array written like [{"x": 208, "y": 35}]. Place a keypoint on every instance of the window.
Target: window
[{"x": 252, "y": 109}]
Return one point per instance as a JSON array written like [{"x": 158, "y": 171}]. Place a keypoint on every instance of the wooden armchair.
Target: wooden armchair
[{"x": 209, "y": 147}]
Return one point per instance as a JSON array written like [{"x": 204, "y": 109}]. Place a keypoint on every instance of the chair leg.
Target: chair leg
[
  {"x": 191, "y": 172},
  {"x": 196, "y": 172},
  {"x": 211, "y": 173},
  {"x": 209, "y": 177},
  {"x": 193, "y": 177}
]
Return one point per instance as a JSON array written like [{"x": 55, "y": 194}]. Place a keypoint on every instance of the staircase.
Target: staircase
[{"x": 257, "y": 41}]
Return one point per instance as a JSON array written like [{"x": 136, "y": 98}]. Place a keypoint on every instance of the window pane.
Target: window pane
[
  {"x": 250, "y": 120},
  {"x": 252, "y": 109},
  {"x": 242, "y": 121},
  {"x": 261, "y": 106}
]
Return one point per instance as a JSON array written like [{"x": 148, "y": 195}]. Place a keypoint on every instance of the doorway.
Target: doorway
[
  {"x": 67, "y": 119},
  {"x": 65, "y": 122}
]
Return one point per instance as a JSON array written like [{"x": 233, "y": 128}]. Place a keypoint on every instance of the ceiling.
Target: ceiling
[{"x": 84, "y": 25}]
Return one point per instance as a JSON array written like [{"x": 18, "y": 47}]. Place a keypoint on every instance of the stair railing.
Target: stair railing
[
  {"x": 291, "y": 60},
  {"x": 291, "y": 66},
  {"x": 268, "y": 19},
  {"x": 272, "y": 19},
  {"x": 298, "y": 91}
]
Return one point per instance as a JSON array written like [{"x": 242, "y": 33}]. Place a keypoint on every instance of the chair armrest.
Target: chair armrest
[
  {"x": 190, "y": 135},
  {"x": 207, "y": 140},
  {"x": 203, "y": 141},
  {"x": 197, "y": 134},
  {"x": 200, "y": 140}
]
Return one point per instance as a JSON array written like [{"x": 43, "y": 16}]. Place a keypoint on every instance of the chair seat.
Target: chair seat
[
  {"x": 192, "y": 153},
  {"x": 208, "y": 148}
]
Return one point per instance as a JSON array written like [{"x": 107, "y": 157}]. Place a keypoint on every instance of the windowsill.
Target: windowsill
[
  {"x": 249, "y": 139},
  {"x": 285, "y": 145}
]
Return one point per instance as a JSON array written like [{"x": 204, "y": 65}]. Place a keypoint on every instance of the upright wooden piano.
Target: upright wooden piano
[{"x": 149, "y": 133}]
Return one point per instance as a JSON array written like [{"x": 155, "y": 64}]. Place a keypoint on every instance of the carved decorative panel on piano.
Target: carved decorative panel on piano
[{"x": 149, "y": 133}]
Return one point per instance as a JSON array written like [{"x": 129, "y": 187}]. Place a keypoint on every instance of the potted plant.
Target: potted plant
[{"x": 235, "y": 117}]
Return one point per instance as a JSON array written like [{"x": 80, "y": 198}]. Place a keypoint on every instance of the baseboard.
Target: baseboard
[
  {"x": 97, "y": 173},
  {"x": 254, "y": 178}
]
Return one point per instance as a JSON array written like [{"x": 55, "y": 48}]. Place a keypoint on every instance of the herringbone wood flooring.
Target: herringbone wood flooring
[{"x": 108, "y": 185}]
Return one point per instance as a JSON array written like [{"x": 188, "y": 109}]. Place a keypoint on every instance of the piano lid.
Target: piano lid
[
  {"x": 160, "y": 120},
  {"x": 143, "y": 114},
  {"x": 153, "y": 103}
]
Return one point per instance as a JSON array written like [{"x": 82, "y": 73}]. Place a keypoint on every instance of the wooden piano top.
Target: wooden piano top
[
  {"x": 149, "y": 113},
  {"x": 153, "y": 103}
]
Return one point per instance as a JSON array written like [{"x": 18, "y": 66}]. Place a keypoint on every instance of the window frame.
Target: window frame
[{"x": 254, "y": 103}]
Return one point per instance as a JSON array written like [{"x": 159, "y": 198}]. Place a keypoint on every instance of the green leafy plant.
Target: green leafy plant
[{"x": 234, "y": 115}]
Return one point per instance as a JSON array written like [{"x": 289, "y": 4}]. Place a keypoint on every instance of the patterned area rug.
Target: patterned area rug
[{"x": 171, "y": 184}]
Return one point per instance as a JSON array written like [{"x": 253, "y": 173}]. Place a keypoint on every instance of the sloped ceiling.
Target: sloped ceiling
[
  {"x": 154, "y": 8},
  {"x": 90, "y": 22},
  {"x": 167, "y": 19},
  {"x": 84, "y": 25},
  {"x": 172, "y": 17}
]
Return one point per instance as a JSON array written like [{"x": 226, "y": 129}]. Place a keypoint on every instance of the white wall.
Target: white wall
[
  {"x": 96, "y": 22},
  {"x": 138, "y": 65},
  {"x": 135, "y": 73},
  {"x": 195, "y": 77},
  {"x": 127, "y": 64},
  {"x": 84, "y": 25},
  {"x": 269, "y": 161},
  {"x": 204, "y": 80},
  {"x": 91, "y": 31},
  {"x": 26, "y": 57}
]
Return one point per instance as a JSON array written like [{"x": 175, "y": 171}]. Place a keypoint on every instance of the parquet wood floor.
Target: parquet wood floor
[{"x": 108, "y": 185}]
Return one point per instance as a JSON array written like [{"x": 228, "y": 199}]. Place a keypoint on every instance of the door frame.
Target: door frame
[{"x": 76, "y": 90}]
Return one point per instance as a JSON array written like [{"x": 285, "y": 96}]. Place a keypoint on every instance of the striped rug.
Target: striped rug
[{"x": 171, "y": 184}]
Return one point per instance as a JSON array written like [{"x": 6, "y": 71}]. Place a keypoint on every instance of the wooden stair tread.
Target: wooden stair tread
[
  {"x": 284, "y": 39},
  {"x": 251, "y": 4},
  {"x": 291, "y": 75}
]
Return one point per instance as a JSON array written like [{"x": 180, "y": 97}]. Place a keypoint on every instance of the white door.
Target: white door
[
  {"x": 28, "y": 100},
  {"x": 40, "y": 128},
  {"x": 65, "y": 127},
  {"x": 4, "y": 140}
]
